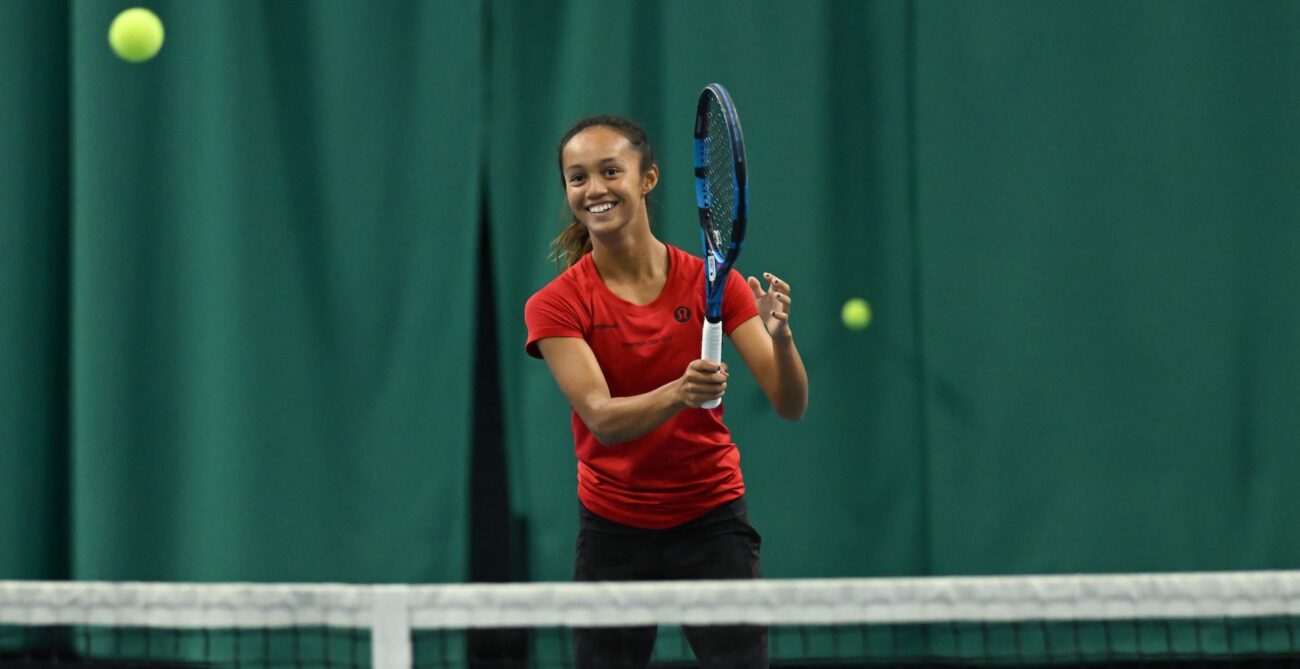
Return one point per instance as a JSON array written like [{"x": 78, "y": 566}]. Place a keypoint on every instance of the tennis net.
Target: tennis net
[{"x": 1150, "y": 620}]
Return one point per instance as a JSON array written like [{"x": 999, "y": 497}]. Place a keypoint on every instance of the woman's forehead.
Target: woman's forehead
[{"x": 596, "y": 144}]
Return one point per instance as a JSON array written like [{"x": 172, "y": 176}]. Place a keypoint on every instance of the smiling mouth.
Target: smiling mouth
[{"x": 601, "y": 208}]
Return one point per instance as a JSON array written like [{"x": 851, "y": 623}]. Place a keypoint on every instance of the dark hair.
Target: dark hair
[{"x": 575, "y": 241}]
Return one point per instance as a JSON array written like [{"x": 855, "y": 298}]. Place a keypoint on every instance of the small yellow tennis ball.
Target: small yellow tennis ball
[
  {"x": 856, "y": 314},
  {"x": 136, "y": 35}
]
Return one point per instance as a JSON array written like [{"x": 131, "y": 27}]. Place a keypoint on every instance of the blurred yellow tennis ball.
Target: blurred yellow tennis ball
[
  {"x": 856, "y": 314},
  {"x": 136, "y": 35}
]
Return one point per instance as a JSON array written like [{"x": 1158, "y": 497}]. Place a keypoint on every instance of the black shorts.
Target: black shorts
[{"x": 721, "y": 544}]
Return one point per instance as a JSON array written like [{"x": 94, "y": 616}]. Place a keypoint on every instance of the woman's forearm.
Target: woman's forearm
[
  {"x": 619, "y": 419},
  {"x": 790, "y": 398}
]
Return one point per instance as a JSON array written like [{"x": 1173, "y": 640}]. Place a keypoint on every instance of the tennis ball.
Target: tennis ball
[
  {"x": 856, "y": 314},
  {"x": 136, "y": 35}
]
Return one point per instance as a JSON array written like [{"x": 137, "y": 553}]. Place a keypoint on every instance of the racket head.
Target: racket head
[{"x": 721, "y": 188}]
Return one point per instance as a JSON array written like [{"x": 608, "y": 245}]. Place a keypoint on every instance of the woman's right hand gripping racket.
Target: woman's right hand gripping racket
[{"x": 722, "y": 195}]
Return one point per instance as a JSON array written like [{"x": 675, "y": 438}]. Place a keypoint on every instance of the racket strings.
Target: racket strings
[{"x": 720, "y": 169}]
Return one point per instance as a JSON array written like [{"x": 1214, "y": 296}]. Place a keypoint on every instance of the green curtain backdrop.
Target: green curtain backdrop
[
  {"x": 33, "y": 290},
  {"x": 1108, "y": 200},
  {"x": 240, "y": 316},
  {"x": 1075, "y": 223},
  {"x": 269, "y": 238}
]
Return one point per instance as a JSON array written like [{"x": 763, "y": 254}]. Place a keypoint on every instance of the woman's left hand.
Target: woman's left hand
[{"x": 773, "y": 304}]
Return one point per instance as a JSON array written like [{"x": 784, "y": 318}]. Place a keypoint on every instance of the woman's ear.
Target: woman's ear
[{"x": 650, "y": 180}]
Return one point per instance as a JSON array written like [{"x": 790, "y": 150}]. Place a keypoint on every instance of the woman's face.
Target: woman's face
[{"x": 603, "y": 181}]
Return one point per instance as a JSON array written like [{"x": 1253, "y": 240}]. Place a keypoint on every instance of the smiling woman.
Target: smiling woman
[
  {"x": 659, "y": 483},
  {"x": 575, "y": 240},
  {"x": 607, "y": 178}
]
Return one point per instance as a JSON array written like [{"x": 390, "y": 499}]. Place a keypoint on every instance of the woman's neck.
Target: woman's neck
[{"x": 632, "y": 258}]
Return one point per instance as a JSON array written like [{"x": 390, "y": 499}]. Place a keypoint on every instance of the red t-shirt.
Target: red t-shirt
[{"x": 685, "y": 467}]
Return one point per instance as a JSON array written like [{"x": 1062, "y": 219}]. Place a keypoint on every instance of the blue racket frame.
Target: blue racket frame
[{"x": 719, "y": 261}]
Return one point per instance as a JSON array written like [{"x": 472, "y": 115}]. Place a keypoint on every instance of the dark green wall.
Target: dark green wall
[
  {"x": 1108, "y": 205},
  {"x": 247, "y": 359},
  {"x": 240, "y": 308}
]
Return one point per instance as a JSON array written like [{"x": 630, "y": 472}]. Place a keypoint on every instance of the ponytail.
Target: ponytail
[{"x": 571, "y": 245}]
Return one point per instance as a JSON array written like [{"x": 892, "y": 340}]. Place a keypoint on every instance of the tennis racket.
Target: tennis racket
[{"x": 722, "y": 195}]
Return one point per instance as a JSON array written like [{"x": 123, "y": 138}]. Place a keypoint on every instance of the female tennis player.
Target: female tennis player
[{"x": 659, "y": 482}]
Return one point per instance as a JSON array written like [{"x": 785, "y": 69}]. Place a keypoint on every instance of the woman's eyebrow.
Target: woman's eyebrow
[{"x": 602, "y": 161}]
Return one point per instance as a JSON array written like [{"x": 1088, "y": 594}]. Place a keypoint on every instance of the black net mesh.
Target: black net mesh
[
  {"x": 1244, "y": 619},
  {"x": 1222, "y": 642},
  {"x": 110, "y": 646}
]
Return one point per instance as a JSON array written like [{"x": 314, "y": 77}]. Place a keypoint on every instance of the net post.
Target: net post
[{"x": 390, "y": 629}]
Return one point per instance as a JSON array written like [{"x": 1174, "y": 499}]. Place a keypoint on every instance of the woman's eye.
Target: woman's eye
[
  {"x": 577, "y": 178},
  {"x": 613, "y": 171}
]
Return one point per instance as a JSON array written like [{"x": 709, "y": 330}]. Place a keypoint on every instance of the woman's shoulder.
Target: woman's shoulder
[
  {"x": 680, "y": 258},
  {"x": 572, "y": 281}
]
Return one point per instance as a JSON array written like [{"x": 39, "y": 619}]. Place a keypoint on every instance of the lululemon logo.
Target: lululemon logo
[{"x": 682, "y": 314}]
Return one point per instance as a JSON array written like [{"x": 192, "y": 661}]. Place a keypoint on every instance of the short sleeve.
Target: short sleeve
[
  {"x": 737, "y": 302},
  {"x": 550, "y": 313}
]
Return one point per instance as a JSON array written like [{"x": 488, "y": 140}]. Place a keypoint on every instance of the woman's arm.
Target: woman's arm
[
  {"x": 614, "y": 420},
  {"x": 767, "y": 346}
]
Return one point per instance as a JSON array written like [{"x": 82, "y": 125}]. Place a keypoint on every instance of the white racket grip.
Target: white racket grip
[{"x": 711, "y": 349}]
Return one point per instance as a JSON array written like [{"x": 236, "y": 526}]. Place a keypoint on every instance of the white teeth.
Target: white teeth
[{"x": 601, "y": 208}]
